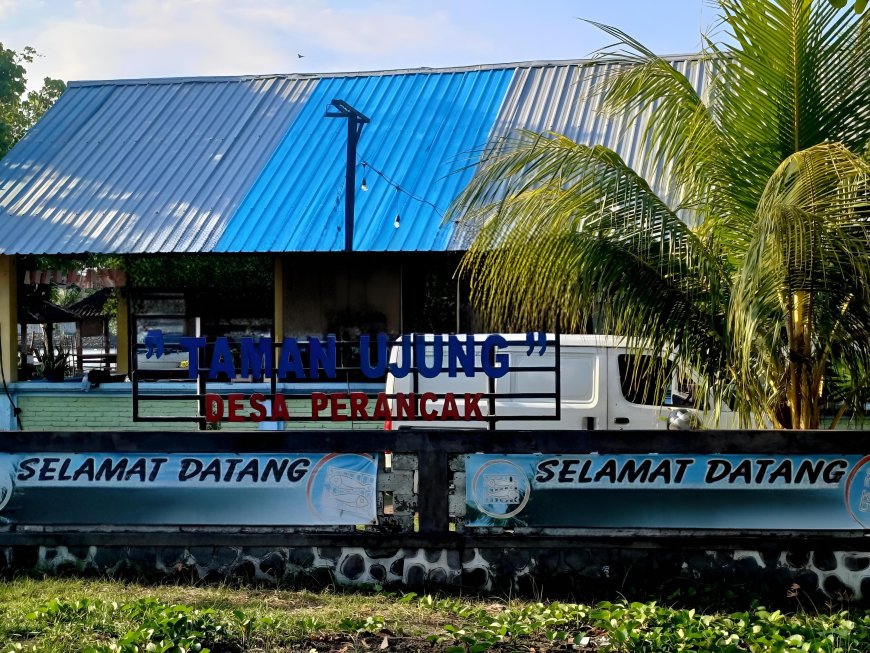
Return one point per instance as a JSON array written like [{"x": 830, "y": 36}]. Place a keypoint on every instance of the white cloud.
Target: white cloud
[{"x": 105, "y": 39}]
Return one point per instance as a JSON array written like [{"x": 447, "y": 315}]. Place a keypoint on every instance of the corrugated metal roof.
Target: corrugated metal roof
[
  {"x": 423, "y": 127},
  {"x": 559, "y": 98},
  {"x": 251, "y": 164},
  {"x": 141, "y": 167}
]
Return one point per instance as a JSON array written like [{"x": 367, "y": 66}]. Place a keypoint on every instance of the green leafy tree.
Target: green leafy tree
[
  {"x": 19, "y": 111},
  {"x": 758, "y": 277}
]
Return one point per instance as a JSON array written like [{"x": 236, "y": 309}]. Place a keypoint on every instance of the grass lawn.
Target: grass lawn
[{"x": 65, "y": 615}]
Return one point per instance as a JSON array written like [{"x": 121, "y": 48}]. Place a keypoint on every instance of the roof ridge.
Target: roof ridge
[{"x": 541, "y": 63}]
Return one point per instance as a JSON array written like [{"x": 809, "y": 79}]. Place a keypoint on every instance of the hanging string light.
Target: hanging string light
[{"x": 398, "y": 221}]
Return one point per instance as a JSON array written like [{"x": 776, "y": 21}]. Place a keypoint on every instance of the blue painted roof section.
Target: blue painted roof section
[{"x": 424, "y": 128}]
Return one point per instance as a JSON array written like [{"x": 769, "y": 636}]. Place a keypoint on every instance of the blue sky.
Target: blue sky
[{"x": 111, "y": 39}]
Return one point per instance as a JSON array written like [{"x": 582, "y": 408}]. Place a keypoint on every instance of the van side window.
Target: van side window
[{"x": 644, "y": 380}]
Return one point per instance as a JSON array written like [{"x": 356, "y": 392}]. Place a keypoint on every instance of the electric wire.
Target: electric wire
[{"x": 399, "y": 188}]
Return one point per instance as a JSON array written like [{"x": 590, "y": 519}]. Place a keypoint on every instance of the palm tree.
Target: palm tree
[{"x": 758, "y": 277}]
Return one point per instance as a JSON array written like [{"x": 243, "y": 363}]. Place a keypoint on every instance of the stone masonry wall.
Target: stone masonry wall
[{"x": 837, "y": 575}]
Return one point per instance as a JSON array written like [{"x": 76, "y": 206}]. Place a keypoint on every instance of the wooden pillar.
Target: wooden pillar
[
  {"x": 279, "y": 298},
  {"x": 9, "y": 317},
  {"x": 107, "y": 345},
  {"x": 123, "y": 346},
  {"x": 80, "y": 350}
]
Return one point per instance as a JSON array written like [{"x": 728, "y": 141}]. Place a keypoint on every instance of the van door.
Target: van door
[
  {"x": 584, "y": 379},
  {"x": 583, "y": 373},
  {"x": 634, "y": 401}
]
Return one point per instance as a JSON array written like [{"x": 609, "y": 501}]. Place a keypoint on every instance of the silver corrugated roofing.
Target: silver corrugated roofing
[
  {"x": 560, "y": 98},
  {"x": 130, "y": 167},
  {"x": 250, "y": 164}
]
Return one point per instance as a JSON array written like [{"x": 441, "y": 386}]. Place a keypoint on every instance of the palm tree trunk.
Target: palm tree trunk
[{"x": 802, "y": 391}]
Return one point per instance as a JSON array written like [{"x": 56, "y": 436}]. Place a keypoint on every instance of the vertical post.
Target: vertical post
[
  {"x": 433, "y": 487},
  {"x": 124, "y": 335},
  {"x": 278, "y": 299},
  {"x": 131, "y": 366},
  {"x": 9, "y": 317},
  {"x": 106, "y": 345},
  {"x": 277, "y": 323},
  {"x": 350, "y": 182},
  {"x": 558, "y": 388},
  {"x": 355, "y": 122},
  {"x": 458, "y": 329},
  {"x": 80, "y": 366}
]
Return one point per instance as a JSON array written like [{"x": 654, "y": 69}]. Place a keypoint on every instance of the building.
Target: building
[{"x": 213, "y": 169}]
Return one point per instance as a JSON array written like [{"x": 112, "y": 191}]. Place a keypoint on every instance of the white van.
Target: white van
[{"x": 598, "y": 382}]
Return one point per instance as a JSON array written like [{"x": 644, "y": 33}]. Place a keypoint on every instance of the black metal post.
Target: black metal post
[{"x": 355, "y": 123}]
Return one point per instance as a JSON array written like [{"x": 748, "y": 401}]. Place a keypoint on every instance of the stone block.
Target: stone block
[
  {"x": 397, "y": 567},
  {"x": 245, "y": 570},
  {"x": 353, "y": 566},
  {"x": 824, "y": 560},
  {"x": 396, "y": 523},
  {"x": 396, "y": 481},
  {"x": 380, "y": 553},
  {"x": 302, "y": 557},
  {"x": 457, "y": 463},
  {"x": 273, "y": 564},
  {"x": 329, "y": 553},
  {"x": 456, "y": 505},
  {"x": 404, "y": 504},
  {"x": 437, "y": 576},
  {"x": 415, "y": 575},
  {"x": 404, "y": 461},
  {"x": 835, "y": 588},
  {"x": 797, "y": 559},
  {"x": 856, "y": 562},
  {"x": 378, "y": 572},
  {"x": 475, "y": 578}
]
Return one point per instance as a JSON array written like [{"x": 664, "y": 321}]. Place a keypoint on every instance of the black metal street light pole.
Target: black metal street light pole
[{"x": 355, "y": 122}]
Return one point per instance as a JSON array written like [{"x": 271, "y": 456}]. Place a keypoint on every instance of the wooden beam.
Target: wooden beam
[
  {"x": 9, "y": 317},
  {"x": 123, "y": 318},
  {"x": 279, "y": 298}
]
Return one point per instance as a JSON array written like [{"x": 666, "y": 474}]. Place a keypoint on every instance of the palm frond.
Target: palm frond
[
  {"x": 571, "y": 230},
  {"x": 683, "y": 137}
]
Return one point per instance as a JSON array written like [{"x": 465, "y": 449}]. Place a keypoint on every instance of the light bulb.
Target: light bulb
[
  {"x": 397, "y": 222},
  {"x": 364, "y": 187}
]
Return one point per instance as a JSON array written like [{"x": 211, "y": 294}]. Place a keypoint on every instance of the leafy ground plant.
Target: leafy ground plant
[{"x": 65, "y": 616}]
